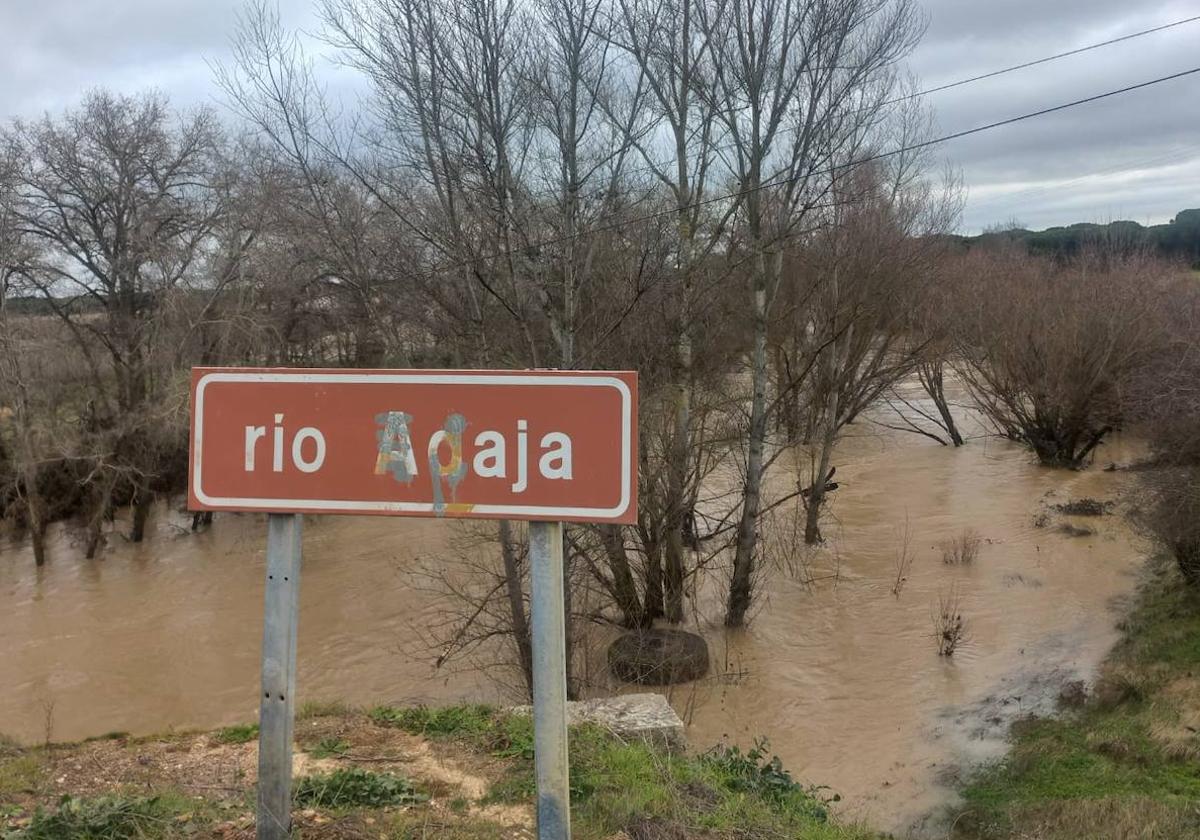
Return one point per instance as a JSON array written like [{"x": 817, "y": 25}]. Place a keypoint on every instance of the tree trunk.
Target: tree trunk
[
  {"x": 37, "y": 525},
  {"x": 143, "y": 501},
  {"x": 741, "y": 582},
  {"x": 623, "y": 586},
  {"x": 652, "y": 598},
  {"x": 677, "y": 482},
  {"x": 932, "y": 377},
  {"x": 516, "y": 604},
  {"x": 816, "y": 494}
]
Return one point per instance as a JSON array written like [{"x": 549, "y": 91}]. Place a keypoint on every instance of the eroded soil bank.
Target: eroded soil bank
[
  {"x": 838, "y": 672},
  {"x": 401, "y": 773}
]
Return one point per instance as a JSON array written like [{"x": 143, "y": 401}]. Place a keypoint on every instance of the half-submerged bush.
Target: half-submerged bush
[
  {"x": 1048, "y": 349},
  {"x": 961, "y": 550}
]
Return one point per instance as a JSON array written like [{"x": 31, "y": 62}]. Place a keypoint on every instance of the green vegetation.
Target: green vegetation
[
  {"x": 329, "y": 748},
  {"x": 723, "y": 793},
  {"x": 453, "y": 721},
  {"x": 311, "y": 709},
  {"x": 243, "y": 733},
  {"x": 353, "y": 787},
  {"x": 111, "y": 818},
  {"x": 1126, "y": 764},
  {"x": 18, "y": 774},
  {"x": 633, "y": 787}
]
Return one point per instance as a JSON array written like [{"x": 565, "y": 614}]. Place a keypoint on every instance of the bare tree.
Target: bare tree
[
  {"x": 120, "y": 204},
  {"x": 797, "y": 88},
  {"x": 1048, "y": 361}
]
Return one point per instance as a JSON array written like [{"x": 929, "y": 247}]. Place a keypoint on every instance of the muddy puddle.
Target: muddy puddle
[{"x": 839, "y": 672}]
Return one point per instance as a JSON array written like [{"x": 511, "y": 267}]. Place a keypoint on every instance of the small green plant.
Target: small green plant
[
  {"x": 331, "y": 747},
  {"x": 19, "y": 774},
  {"x": 459, "y": 805},
  {"x": 450, "y": 721},
  {"x": 104, "y": 818},
  {"x": 511, "y": 736},
  {"x": 752, "y": 772},
  {"x": 353, "y": 787},
  {"x": 243, "y": 733},
  {"x": 322, "y": 708}
]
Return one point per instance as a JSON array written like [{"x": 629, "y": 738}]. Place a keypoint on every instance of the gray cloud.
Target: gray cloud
[{"x": 1136, "y": 156}]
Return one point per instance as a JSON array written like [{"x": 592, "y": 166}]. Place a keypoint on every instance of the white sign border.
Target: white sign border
[{"x": 375, "y": 507}]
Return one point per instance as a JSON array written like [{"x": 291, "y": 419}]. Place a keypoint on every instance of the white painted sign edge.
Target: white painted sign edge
[{"x": 350, "y": 506}]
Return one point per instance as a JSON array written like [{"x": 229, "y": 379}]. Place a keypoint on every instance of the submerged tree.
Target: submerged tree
[
  {"x": 798, "y": 88},
  {"x": 867, "y": 270},
  {"x": 120, "y": 203},
  {"x": 1048, "y": 350}
]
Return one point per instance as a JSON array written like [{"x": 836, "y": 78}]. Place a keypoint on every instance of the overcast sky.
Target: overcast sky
[{"x": 1130, "y": 157}]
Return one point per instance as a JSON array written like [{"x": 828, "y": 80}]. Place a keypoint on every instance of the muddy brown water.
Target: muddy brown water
[{"x": 839, "y": 673}]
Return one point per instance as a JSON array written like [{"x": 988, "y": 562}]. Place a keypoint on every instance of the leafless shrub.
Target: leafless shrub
[
  {"x": 902, "y": 561},
  {"x": 949, "y": 626},
  {"x": 962, "y": 549},
  {"x": 1167, "y": 401},
  {"x": 48, "y": 720},
  {"x": 1084, "y": 507},
  {"x": 1170, "y": 512},
  {"x": 1050, "y": 361}
]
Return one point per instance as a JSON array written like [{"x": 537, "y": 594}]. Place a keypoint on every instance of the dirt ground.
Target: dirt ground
[{"x": 221, "y": 776}]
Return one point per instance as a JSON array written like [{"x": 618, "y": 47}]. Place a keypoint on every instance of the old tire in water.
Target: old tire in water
[{"x": 658, "y": 657}]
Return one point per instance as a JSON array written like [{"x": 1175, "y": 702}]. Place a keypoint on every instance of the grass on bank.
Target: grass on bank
[
  {"x": 633, "y": 787},
  {"x": 1126, "y": 764},
  {"x": 723, "y": 794}
]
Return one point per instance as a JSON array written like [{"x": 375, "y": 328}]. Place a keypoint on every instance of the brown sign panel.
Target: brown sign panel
[{"x": 552, "y": 445}]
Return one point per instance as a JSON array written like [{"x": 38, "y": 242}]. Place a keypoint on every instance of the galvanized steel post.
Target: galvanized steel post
[
  {"x": 547, "y": 607},
  {"x": 281, "y": 611}
]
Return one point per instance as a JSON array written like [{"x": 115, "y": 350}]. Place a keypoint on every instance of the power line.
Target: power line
[
  {"x": 649, "y": 167},
  {"x": 1045, "y": 60},
  {"x": 558, "y": 240}
]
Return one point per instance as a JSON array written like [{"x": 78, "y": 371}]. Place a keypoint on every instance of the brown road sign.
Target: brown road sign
[{"x": 548, "y": 445}]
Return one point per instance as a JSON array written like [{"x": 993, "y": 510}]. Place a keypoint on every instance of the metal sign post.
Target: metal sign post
[
  {"x": 546, "y": 447},
  {"x": 281, "y": 612},
  {"x": 548, "y": 628}
]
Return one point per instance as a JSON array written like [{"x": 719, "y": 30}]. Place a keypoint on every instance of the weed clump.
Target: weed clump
[
  {"x": 104, "y": 818},
  {"x": 310, "y": 709},
  {"x": 753, "y": 773},
  {"x": 355, "y": 788},
  {"x": 329, "y": 748},
  {"x": 450, "y": 721},
  {"x": 241, "y": 734}
]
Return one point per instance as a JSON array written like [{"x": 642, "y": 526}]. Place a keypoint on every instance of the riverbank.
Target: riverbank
[
  {"x": 1122, "y": 759},
  {"x": 461, "y": 772}
]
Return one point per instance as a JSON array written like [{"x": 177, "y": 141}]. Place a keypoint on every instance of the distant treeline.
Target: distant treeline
[{"x": 1178, "y": 239}]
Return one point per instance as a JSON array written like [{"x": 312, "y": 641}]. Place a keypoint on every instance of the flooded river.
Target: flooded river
[{"x": 840, "y": 674}]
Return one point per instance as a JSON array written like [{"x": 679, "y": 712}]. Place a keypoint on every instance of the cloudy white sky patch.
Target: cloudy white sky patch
[{"x": 1135, "y": 157}]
